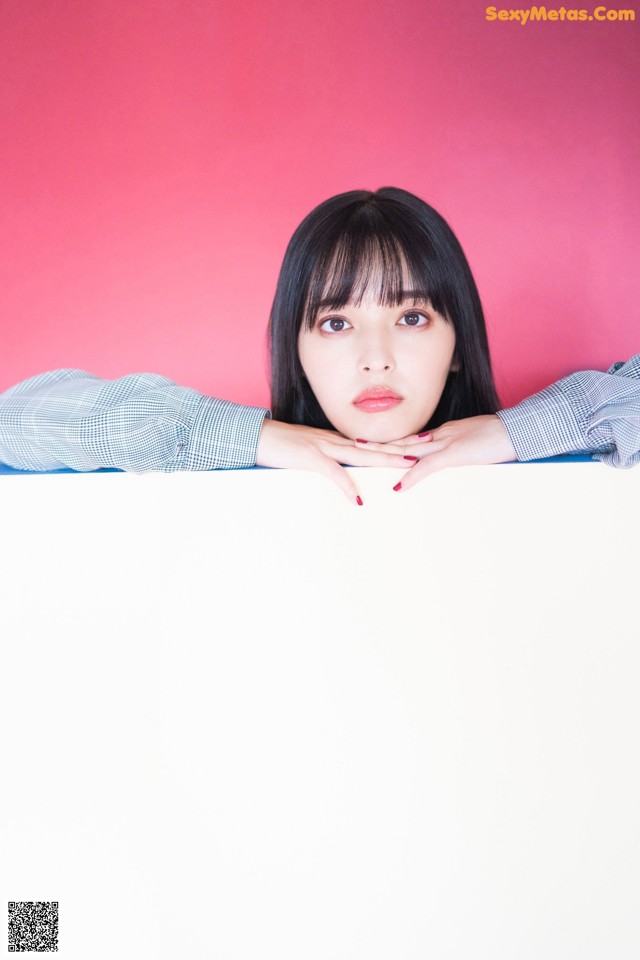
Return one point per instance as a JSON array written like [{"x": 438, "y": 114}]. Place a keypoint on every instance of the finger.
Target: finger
[
  {"x": 394, "y": 445},
  {"x": 424, "y": 468},
  {"x": 330, "y": 469},
  {"x": 356, "y": 457},
  {"x": 365, "y": 457},
  {"x": 433, "y": 447},
  {"x": 391, "y": 447},
  {"x": 413, "y": 438}
]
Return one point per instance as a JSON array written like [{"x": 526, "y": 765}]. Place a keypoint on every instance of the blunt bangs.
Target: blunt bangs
[
  {"x": 392, "y": 246},
  {"x": 375, "y": 254}
]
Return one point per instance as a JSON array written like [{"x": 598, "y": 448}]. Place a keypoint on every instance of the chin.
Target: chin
[{"x": 382, "y": 432}]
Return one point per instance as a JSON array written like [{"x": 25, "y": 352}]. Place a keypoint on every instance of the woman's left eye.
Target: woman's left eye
[{"x": 414, "y": 320}]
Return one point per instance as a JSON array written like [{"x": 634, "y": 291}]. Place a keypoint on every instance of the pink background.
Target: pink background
[{"x": 157, "y": 155}]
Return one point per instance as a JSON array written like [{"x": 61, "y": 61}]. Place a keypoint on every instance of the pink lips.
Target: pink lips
[{"x": 377, "y": 399}]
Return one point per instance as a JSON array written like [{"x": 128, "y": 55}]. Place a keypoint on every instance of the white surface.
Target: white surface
[{"x": 243, "y": 719}]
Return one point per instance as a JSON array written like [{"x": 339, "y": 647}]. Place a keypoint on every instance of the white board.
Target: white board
[{"x": 244, "y": 719}]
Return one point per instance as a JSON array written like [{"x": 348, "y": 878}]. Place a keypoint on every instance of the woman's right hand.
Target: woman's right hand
[{"x": 310, "y": 448}]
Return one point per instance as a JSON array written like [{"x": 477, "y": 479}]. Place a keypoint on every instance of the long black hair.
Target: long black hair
[{"x": 385, "y": 239}]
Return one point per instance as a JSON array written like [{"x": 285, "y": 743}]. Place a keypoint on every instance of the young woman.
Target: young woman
[
  {"x": 378, "y": 332},
  {"x": 379, "y": 357}
]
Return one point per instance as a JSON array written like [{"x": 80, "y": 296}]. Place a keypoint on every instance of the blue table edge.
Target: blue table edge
[{"x": 11, "y": 471}]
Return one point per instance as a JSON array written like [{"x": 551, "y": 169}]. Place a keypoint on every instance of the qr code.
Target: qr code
[{"x": 33, "y": 927}]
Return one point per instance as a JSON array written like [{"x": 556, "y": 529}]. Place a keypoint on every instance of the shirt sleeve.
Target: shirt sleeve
[
  {"x": 141, "y": 422},
  {"x": 587, "y": 412}
]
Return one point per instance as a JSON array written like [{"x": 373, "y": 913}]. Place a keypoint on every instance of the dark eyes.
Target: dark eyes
[
  {"x": 414, "y": 320},
  {"x": 337, "y": 324},
  {"x": 334, "y": 325}
]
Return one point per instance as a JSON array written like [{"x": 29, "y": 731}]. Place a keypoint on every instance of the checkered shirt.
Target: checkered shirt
[
  {"x": 69, "y": 418},
  {"x": 588, "y": 412}
]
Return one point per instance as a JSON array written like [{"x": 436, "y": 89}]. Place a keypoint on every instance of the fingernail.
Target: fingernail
[
  {"x": 397, "y": 486},
  {"x": 361, "y": 441},
  {"x": 410, "y": 458},
  {"x": 425, "y": 434},
  {"x": 359, "y": 501}
]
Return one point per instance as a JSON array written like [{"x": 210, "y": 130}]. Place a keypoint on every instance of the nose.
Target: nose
[{"x": 376, "y": 355}]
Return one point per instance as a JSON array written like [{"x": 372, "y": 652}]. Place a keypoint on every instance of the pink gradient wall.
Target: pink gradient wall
[{"x": 157, "y": 154}]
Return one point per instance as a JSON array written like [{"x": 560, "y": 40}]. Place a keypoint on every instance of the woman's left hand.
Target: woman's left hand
[{"x": 458, "y": 443}]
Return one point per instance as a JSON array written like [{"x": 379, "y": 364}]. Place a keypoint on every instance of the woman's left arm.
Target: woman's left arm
[{"x": 587, "y": 412}]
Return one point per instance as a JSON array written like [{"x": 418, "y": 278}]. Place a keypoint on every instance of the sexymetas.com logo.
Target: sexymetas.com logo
[{"x": 537, "y": 14}]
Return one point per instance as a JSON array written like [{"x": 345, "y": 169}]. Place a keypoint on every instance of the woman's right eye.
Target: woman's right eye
[{"x": 334, "y": 325}]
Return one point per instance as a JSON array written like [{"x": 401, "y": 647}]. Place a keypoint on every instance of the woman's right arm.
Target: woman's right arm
[{"x": 142, "y": 422}]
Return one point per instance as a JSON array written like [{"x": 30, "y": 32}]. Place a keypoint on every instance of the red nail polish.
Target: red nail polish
[
  {"x": 410, "y": 458},
  {"x": 397, "y": 486},
  {"x": 425, "y": 434},
  {"x": 361, "y": 441},
  {"x": 359, "y": 501}
]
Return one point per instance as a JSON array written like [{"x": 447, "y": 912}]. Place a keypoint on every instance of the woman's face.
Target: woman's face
[{"x": 378, "y": 372}]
